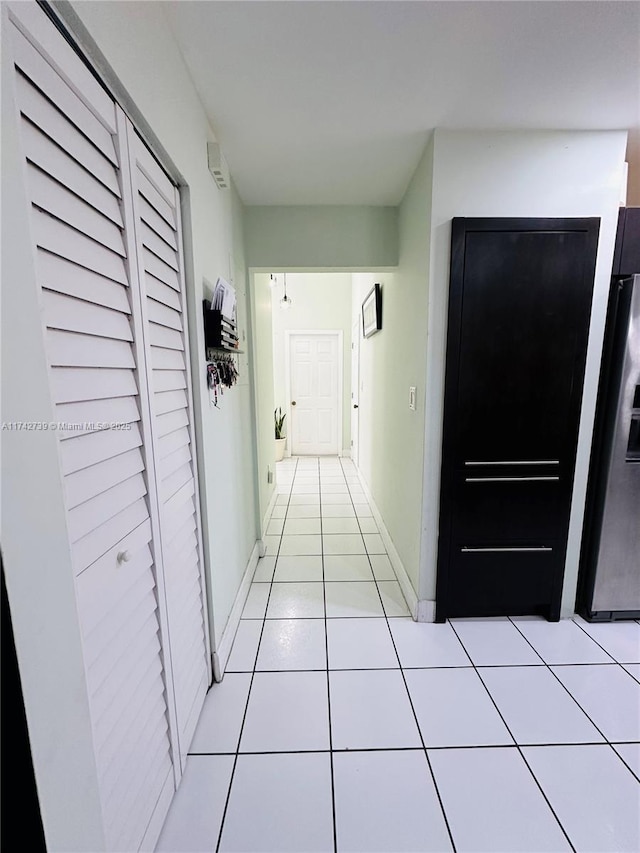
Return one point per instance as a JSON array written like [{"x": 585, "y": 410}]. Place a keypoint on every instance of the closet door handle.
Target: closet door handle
[
  {"x": 355, "y": 405},
  {"x": 293, "y": 402},
  {"x": 511, "y": 479},
  {"x": 123, "y": 557},
  {"x": 536, "y": 549},
  {"x": 515, "y": 462}
]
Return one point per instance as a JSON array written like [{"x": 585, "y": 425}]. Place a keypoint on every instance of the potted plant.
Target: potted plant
[{"x": 281, "y": 439}]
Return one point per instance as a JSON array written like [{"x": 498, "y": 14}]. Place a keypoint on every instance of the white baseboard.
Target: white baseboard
[
  {"x": 221, "y": 655},
  {"x": 426, "y": 610},
  {"x": 267, "y": 515},
  {"x": 401, "y": 573}
]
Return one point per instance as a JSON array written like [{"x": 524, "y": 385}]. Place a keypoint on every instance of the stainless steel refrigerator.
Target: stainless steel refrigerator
[{"x": 610, "y": 566}]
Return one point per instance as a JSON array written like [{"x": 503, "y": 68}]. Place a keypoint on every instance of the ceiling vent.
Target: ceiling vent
[{"x": 217, "y": 165}]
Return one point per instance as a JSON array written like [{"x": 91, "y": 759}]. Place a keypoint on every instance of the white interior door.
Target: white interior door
[
  {"x": 355, "y": 389},
  {"x": 315, "y": 373}
]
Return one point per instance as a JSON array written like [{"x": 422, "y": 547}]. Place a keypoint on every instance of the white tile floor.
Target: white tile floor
[{"x": 342, "y": 725}]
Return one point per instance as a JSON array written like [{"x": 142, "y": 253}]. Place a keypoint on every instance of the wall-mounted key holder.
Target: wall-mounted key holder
[{"x": 222, "y": 373}]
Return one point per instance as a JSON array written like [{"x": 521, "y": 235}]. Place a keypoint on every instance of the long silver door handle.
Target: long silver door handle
[
  {"x": 510, "y": 479},
  {"x": 467, "y": 550},
  {"x": 516, "y": 462}
]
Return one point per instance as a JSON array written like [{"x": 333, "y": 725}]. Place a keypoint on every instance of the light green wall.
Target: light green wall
[
  {"x": 320, "y": 301},
  {"x": 391, "y": 435},
  {"x": 263, "y": 372},
  {"x": 338, "y": 237}
]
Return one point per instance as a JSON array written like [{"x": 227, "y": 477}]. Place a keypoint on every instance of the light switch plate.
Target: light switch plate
[{"x": 412, "y": 398}]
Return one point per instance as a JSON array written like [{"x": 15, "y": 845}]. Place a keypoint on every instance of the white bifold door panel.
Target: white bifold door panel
[
  {"x": 156, "y": 213},
  {"x": 107, "y": 250},
  {"x": 314, "y": 379}
]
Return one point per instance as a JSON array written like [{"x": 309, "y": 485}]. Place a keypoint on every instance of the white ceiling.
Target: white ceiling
[{"x": 332, "y": 101}]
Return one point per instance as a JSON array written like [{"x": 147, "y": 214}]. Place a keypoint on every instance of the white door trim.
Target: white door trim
[{"x": 339, "y": 335}]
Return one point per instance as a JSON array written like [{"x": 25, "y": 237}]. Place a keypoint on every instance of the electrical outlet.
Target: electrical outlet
[
  {"x": 412, "y": 398},
  {"x": 269, "y": 475}
]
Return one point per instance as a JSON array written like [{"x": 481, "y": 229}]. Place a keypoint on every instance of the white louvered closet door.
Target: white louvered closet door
[
  {"x": 156, "y": 212},
  {"x": 131, "y": 502}
]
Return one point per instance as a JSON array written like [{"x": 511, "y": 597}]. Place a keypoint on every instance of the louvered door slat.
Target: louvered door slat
[
  {"x": 99, "y": 541},
  {"x": 80, "y": 383},
  {"x": 76, "y": 315},
  {"x": 156, "y": 267},
  {"x": 40, "y": 112},
  {"x": 161, "y": 292},
  {"x": 126, "y": 679},
  {"x": 64, "y": 169},
  {"x": 59, "y": 239},
  {"x": 164, "y": 316},
  {"x": 38, "y": 70},
  {"x": 169, "y": 380},
  {"x": 110, "y": 413},
  {"x": 104, "y": 586},
  {"x": 153, "y": 718},
  {"x": 161, "y": 206},
  {"x": 71, "y": 147},
  {"x": 171, "y": 421},
  {"x": 146, "y": 791},
  {"x": 66, "y": 62},
  {"x": 158, "y": 224},
  {"x": 72, "y": 349},
  {"x": 158, "y": 247},
  {"x": 82, "y": 519},
  {"x": 54, "y": 198},
  {"x": 57, "y": 274},
  {"x": 174, "y": 482},
  {"x": 95, "y": 447},
  {"x": 88, "y": 482},
  {"x": 170, "y": 401},
  {"x": 175, "y": 520},
  {"x": 176, "y": 460}
]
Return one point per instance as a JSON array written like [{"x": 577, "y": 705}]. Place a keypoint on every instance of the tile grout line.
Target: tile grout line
[
  {"x": 326, "y": 651},
  {"x": 596, "y": 727},
  {"x": 517, "y": 746},
  {"x": 406, "y": 687},
  {"x": 347, "y": 750},
  {"x": 593, "y": 640},
  {"x": 246, "y": 707},
  {"x": 565, "y": 688}
]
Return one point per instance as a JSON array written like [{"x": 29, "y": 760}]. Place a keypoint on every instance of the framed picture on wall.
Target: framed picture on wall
[{"x": 372, "y": 311}]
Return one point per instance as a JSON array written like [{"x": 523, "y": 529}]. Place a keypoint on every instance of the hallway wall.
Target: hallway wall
[
  {"x": 322, "y": 236},
  {"x": 391, "y": 435},
  {"x": 263, "y": 371},
  {"x": 145, "y": 57},
  {"x": 320, "y": 301}
]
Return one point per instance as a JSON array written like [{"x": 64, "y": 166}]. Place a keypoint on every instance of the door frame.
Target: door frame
[
  {"x": 339, "y": 335},
  {"x": 355, "y": 382}
]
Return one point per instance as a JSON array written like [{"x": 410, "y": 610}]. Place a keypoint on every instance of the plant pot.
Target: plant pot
[{"x": 280, "y": 445}]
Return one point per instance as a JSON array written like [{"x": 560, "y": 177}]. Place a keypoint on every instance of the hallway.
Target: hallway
[{"x": 475, "y": 735}]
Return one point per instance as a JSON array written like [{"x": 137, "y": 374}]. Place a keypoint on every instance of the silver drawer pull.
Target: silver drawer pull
[
  {"x": 518, "y": 462},
  {"x": 511, "y": 479},
  {"x": 539, "y": 548}
]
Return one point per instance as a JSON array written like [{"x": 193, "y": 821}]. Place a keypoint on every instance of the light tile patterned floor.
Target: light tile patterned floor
[{"x": 342, "y": 725}]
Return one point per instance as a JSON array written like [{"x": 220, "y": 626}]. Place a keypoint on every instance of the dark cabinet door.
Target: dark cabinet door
[{"x": 519, "y": 307}]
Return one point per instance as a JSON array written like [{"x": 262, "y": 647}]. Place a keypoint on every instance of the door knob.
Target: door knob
[
  {"x": 355, "y": 405},
  {"x": 123, "y": 557},
  {"x": 293, "y": 402}
]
